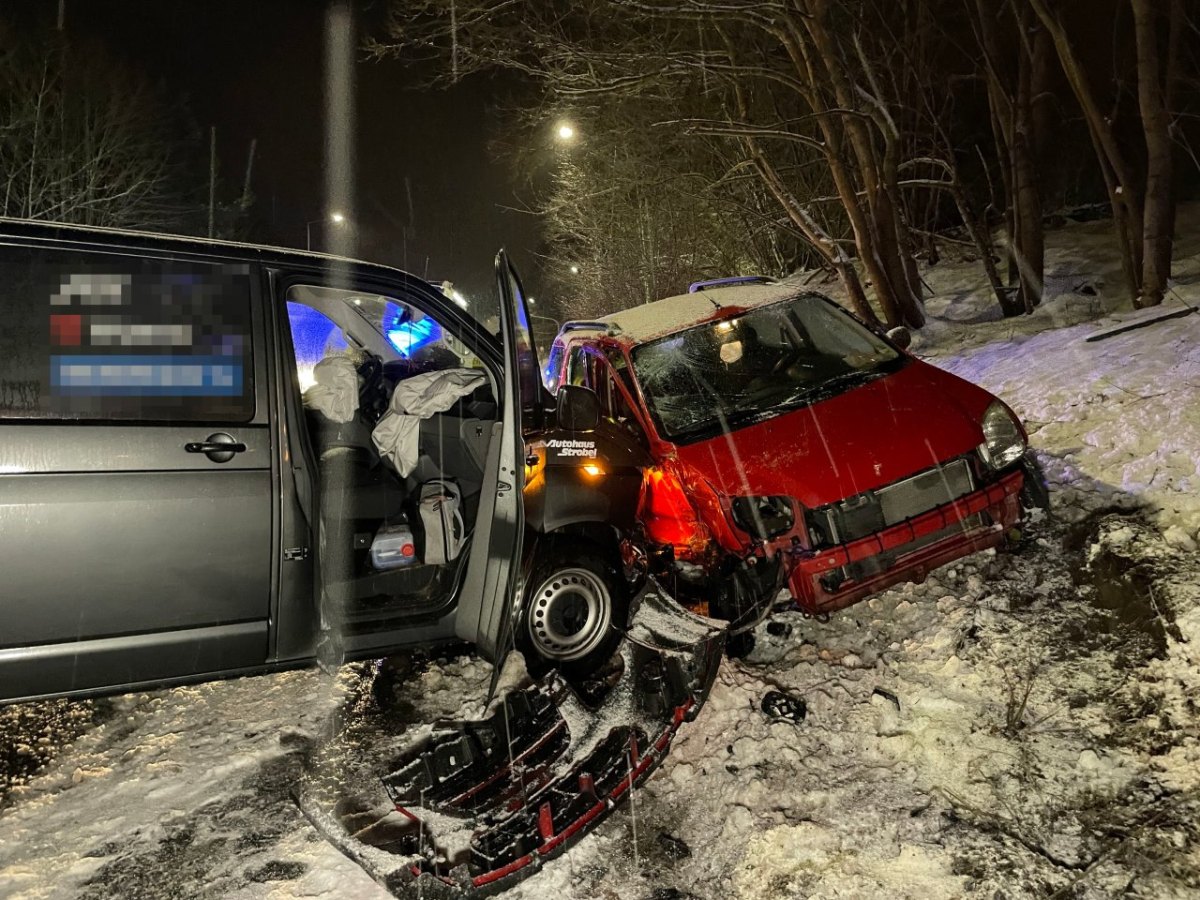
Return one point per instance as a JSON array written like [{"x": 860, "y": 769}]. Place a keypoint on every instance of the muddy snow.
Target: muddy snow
[{"x": 1022, "y": 724}]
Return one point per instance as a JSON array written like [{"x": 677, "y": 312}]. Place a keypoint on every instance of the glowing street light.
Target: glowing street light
[
  {"x": 574, "y": 270},
  {"x": 565, "y": 131},
  {"x": 335, "y": 218}
]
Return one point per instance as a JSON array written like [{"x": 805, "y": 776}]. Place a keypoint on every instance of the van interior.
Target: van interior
[{"x": 383, "y": 553}]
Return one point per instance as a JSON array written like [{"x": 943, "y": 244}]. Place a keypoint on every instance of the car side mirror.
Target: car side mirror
[
  {"x": 900, "y": 336},
  {"x": 578, "y": 408}
]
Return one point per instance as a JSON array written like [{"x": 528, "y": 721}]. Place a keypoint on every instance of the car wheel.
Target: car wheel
[
  {"x": 574, "y": 611},
  {"x": 1035, "y": 494}
]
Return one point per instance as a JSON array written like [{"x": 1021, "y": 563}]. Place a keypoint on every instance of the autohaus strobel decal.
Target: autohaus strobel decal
[{"x": 572, "y": 448}]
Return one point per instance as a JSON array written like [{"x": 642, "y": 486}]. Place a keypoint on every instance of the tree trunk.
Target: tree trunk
[
  {"x": 816, "y": 237},
  {"x": 1159, "y": 202},
  {"x": 843, "y": 181},
  {"x": 892, "y": 251},
  {"x": 1030, "y": 250},
  {"x": 1008, "y": 95},
  {"x": 983, "y": 243},
  {"x": 852, "y": 284},
  {"x": 1123, "y": 190},
  {"x": 881, "y": 244},
  {"x": 1000, "y": 108},
  {"x": 821, "y": 242}
]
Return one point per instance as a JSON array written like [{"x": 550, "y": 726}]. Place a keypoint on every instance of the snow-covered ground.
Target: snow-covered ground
[{"x": 1020, "y": 725}]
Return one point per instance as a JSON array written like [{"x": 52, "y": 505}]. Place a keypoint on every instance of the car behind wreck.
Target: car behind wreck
[{"x": 796, "y": 447}]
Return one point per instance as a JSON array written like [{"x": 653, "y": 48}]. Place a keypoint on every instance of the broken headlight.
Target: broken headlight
[
  {"x": 763, "y": 517},
  {"x": 1003, "y": 439}
]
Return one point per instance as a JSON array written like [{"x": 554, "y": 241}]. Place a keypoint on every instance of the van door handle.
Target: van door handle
[{"x": 219, "y": 447}]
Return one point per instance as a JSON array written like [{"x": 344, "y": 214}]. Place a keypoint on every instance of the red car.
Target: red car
[{"x": 796, "y": 447}]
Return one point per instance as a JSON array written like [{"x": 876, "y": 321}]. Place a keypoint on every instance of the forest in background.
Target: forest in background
[
  {"x": 716, "y": 137},
  {"x": 88, "y": 139}
]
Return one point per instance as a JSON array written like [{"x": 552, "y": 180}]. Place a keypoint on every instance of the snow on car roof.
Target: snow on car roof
[{"x": 639, "y": 324}]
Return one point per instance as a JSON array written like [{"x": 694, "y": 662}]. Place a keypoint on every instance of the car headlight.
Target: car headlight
[
  {"x": 763, "y": 517},
  {"x": 1003, "y": 441}
]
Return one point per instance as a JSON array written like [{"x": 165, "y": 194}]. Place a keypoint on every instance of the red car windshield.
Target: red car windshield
[{"x": 724, "y": 375}]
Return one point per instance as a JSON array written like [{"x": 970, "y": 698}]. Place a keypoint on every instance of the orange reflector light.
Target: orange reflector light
[{"x": 593, "y": 469}]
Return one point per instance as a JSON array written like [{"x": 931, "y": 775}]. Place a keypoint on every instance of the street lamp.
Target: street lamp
[
  {"x": 335, "y": 218},
  {"x": 574, "y": 270},
  {"x": 565, "y": 131}
]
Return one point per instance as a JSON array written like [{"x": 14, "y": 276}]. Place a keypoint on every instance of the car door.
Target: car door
[
  {"x": 494, "y": 582},
  {"x": 135, "y": 469}
]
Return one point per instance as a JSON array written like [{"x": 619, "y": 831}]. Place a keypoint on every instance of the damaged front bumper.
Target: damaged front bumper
[
  {"x": 826, "y": 580},
  {"x": 480, "y": 805}
]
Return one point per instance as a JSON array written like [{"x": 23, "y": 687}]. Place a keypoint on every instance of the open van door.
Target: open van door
[{"x": 494, "y": 584}]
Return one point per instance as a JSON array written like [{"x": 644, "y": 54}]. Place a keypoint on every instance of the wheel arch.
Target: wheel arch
[
  {"x": 564, "y": 549},
  {"x": 603, "y": 535}
]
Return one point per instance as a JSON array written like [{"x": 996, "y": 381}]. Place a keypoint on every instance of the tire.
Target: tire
[
  {"x": 574, "y": 610},
  {"x": 1035, "y": 494}
]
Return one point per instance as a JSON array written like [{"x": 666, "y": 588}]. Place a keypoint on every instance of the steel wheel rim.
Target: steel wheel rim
[{"x": 569, "y": 614}]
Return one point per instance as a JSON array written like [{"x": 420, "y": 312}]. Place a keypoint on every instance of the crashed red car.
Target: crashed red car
[{"x": 796, "y": 447}]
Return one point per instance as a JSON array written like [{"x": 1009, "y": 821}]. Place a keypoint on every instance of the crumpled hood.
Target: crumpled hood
[{"x": 863, "y": 439}]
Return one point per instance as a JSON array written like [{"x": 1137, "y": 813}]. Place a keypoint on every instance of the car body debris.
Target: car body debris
[{"x": 473, "y": 806}]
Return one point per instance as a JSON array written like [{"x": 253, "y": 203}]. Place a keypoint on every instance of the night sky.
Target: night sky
[{"x": 254, "y": 68}]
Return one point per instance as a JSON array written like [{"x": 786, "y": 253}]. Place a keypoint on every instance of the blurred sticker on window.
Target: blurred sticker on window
[{"x": 99, "y": 337}]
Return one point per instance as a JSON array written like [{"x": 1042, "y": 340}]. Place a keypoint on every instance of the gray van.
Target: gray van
[{"x": 185, "y": 494}]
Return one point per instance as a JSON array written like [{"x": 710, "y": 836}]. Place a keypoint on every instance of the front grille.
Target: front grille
[
  {"x": 921, "y": 493},
  {"x": 856, "y": 517},
  {"x": 874, "y": 565}
]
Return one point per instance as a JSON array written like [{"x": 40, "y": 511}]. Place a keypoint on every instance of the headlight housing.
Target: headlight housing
[{"x": 1003, "y": 441}]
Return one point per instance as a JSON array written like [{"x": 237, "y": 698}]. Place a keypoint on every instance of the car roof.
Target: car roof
[
  {"x": 650, "y": 321},
  {"x": 122, "y": 237}
]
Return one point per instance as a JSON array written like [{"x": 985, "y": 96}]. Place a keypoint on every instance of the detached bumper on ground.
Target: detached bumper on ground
[
  {"x": 909, "y": 550},
  {"x": 479, "y": 805}
]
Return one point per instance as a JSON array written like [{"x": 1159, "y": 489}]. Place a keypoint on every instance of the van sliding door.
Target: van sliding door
[{"x": 135, "y": 471}]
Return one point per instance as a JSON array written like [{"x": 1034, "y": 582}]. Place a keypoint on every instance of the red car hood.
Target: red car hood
[{"x": 863, "y": 439}]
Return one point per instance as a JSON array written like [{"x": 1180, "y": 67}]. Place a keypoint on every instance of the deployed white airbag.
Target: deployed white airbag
[
  {"x": 415, "y": 399},
  {"x": 335, "y": 394}
]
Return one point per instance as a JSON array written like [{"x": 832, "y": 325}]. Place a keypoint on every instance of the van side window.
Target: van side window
[
  {"x": 100, "y": 337},
  {"x": 326, "y": 321},
  {"x": 314, "y": 337}
]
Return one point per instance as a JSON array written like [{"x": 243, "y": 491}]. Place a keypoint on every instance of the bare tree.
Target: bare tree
[
  {"x": 857, "y": 119},
  {"x": 1012, "y": 54},
  {"x": 776, "y": 77},
  {"x": 633, "y": 213},
  {"x": 1158, "y": 73},
  {"x": 84, "y": 140},
  {"x": 1141, "y": 193}
]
